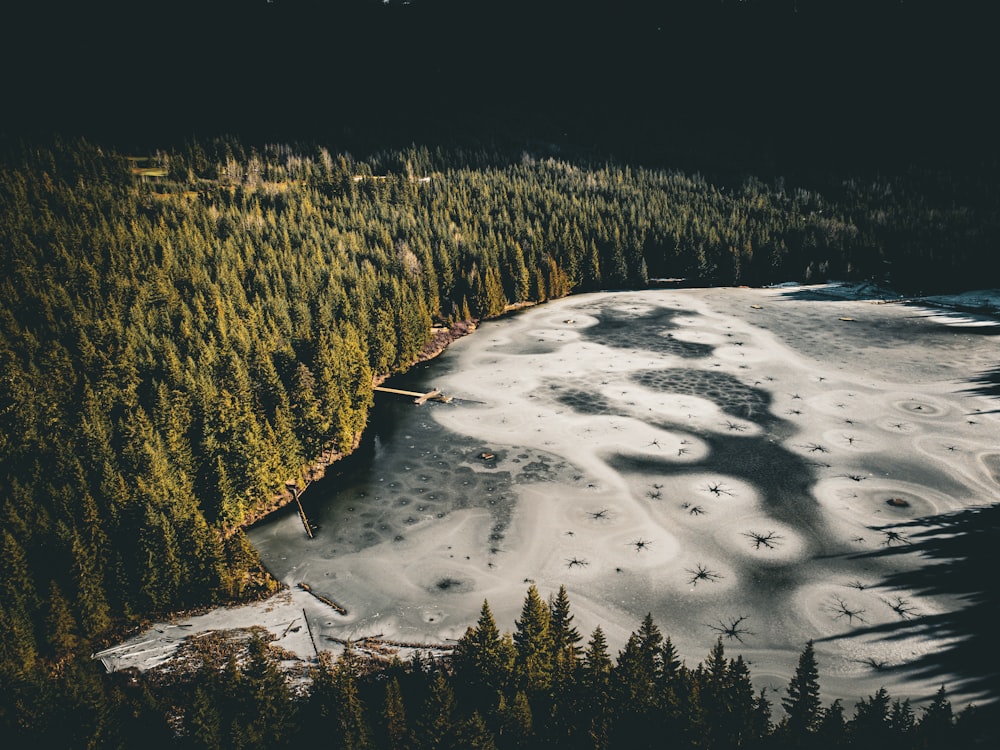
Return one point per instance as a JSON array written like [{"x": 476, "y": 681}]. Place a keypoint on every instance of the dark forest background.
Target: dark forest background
[{"x": 767, "y": 85}]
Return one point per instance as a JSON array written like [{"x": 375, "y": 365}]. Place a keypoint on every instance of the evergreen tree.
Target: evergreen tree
[
  {"x": 483, "y": 662},
  {"x": 936, "y": 724},
  {"x": 760, "y": 720},
  {"x": 901, "y": 720},
  {"x": 472, "y": 734},
  {"x": 565, "y": 637},
  {"x": 61, "y": 625},
  {"x": 349, "y": 720},
  {"x": 533, "y": 645},
  {"x": 832, "y": 729},
  {"x": 18, "y": 648},
  {"x": 394, "y": 717},
  {"x": 436, "y": 724},
  {"x": 565, "y": 661},
  {"x": 636, "y": 677},
  {"x": 264, "y": 698},
  {"x": 870, "y": 726},
  {"x": 802, "y": 703},
  {"x": 204, "y": 725},
  {"x": 516, "y": 721},
  {"x": 595, "y": 686},
  {"x": 635, "y": 685}
]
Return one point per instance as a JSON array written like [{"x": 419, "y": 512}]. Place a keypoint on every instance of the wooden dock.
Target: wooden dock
[{"x": 418, "y": 398}]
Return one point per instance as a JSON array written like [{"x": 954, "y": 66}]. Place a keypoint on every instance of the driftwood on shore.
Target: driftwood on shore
[
  {"x": 302, "y": 512},
  {"x": 310, "y": 631},
  {"x": 328, "y": 602},
  {"x": 377, "y": 640}
]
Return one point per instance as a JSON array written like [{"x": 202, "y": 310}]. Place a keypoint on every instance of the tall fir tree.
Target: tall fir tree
[
  {"x": 802, "y": 701},
  {"x": 533, "y": 645},
  {"x": 483, "y": 660},
  {"x": 394, "y": 717}
]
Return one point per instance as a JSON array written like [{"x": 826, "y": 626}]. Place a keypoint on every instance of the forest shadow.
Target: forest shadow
[
  {"x": 986, "y": 383},
  {"x": 961, "y": 552}
]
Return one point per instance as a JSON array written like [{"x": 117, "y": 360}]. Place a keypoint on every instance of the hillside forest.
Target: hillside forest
[{"x": 183, "y": 332}]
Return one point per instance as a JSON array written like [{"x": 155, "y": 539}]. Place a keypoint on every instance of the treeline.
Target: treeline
[
  {"x": 539, "y": 687},
  {"x": 181, "y": 333}
]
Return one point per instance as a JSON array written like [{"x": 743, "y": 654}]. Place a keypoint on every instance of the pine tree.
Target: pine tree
[
  {"x": 802, "y": 703},
  {"x": 870, "y": 726},
  {"x": 565, "y": 637},
  {"x": 591, "y": 268},
  {"x": 516, "y": 720},
  {"x": 394, "y": 717},
  {"x": 638, "y": 670},
  {"x": 18, "y": 648},
  {"x": 832, "y": 729},
  {"x": 533, "y": 644},
  {"x": 760, "y": 720},
  {"x": 670, "y": 664},
  {"x": 91, "y": 599},
  {"x": 265, "y": 698},
  {"x": 473, "y": 734},
  {"x": 436, "y": 725},
  {"x": 595, "y": 688},
  {"x": 746, "y": 718},
  {"x": 902, "y": 721},
  {"x": 717, "y": 697},
  {"x": 61, "y": 626},
  {"x": 483, "y": 662},
  {"x": 634, "y": 688},
  {"x": 936, "y": 723},
  {"x": 560, "y": 723},
  {"x": 204, "y": 725},
  {"x": 348, "y": 709},
  {"x": 671, "y": 689}
]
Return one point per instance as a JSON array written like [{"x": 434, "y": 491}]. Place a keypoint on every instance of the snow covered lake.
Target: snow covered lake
[{"x": 733, "y": 461}]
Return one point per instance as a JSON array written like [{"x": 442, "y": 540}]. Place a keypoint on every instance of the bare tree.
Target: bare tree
[
  {"x": 840, "y": 609},
  {"x": 701, "y": 573},
  {"x": 734, "y": 630},
  {"x": 901, "y": 607},
  {"x": 768, "y": 539},
  {"x": 894, "y": 537},
  {"x": 719, "y": 489}
]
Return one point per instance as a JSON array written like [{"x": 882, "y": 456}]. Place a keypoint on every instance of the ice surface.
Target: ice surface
[{"x": 716, "y": 457}]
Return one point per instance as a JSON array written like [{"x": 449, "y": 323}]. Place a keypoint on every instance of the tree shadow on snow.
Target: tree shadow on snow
[
  {"x": 986, "y": 383},
  {"x": 961, "y": 550}
]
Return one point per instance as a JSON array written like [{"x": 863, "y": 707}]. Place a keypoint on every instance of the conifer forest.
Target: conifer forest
[{"x": 184, "y": 333}]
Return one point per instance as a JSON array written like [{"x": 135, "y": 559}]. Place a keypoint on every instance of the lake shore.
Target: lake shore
[{"x": 618, "y": 438}]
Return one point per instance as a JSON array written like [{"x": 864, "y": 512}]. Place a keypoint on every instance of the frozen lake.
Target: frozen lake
[{"x": 721, "y": 458}]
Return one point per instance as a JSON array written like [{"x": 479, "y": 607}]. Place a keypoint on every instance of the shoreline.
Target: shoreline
[
  {"x": 441, "y": 339},
  {"x": 316, "y": 469},
  {"x": 723, "y": 550}
]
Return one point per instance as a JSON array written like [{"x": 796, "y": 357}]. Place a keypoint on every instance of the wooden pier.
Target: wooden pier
[{"x": 418, "y": 398}]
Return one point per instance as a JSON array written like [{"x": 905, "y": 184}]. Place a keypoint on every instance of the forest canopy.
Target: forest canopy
[{"x": 182, "y": 331}]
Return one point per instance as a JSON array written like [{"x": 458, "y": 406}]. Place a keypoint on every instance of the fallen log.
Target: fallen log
[{"x": 328, "y": 602}]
